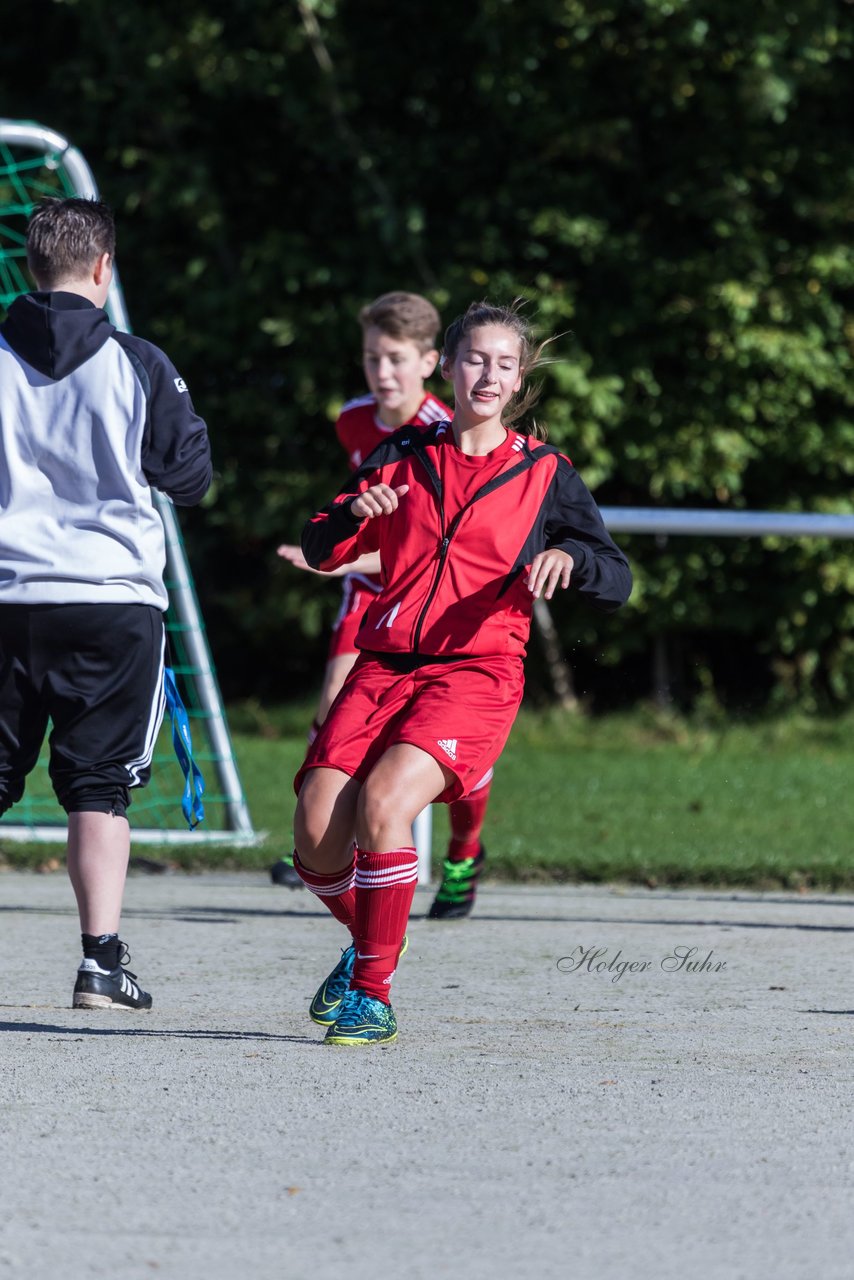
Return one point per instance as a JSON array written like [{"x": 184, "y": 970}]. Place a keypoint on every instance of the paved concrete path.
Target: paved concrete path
[{"x": 568, "y": 1096}]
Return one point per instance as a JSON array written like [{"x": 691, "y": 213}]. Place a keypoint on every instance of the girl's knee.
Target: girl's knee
[
  {"x": 380, "y": 806},
  {"x": 303, "y": 826},
  {"x": 324, "y": 816},
  {"x": 311, "y": 820}
]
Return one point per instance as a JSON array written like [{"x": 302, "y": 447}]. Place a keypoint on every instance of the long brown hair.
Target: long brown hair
[{"x": 530, "y": 352}]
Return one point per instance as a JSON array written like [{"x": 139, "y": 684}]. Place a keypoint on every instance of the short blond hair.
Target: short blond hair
[{"x": 403, "y": 315}]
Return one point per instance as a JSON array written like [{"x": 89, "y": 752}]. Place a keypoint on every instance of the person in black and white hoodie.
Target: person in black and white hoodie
[{"x": 91, "y": 420}]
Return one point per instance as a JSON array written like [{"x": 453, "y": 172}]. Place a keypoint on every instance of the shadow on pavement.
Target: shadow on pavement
[
  {"x": 154, "y": 1033},
  {"x": 185, "y": 915}
]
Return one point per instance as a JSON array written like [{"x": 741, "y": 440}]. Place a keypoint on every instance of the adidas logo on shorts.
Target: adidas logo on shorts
[{"x": 449, "y": 746}]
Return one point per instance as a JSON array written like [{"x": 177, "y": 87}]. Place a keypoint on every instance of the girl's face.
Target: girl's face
[{"x": 486, "y": 372}]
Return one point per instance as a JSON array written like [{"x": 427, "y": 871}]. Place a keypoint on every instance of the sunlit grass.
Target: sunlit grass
[{"x": 642, "y": 797}]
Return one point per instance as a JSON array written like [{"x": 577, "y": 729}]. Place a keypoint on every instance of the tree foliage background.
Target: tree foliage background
[{"x": 671, "y": 184}]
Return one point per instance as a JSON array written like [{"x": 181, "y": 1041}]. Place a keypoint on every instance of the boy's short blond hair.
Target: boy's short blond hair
[{"x": 403, "y": 315}]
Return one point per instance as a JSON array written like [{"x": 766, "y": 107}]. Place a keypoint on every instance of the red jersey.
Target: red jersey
[
  {"x": 359, "y": 429},
  {"x": 456, "y": 551}
]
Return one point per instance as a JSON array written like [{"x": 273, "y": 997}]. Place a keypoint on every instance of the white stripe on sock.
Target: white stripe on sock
[
  {"x": 331, "y": 890},
  {"x": 377, "y": 879}
]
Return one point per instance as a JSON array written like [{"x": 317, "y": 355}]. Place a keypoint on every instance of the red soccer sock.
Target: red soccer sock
[
  {"x": 467, "y": 817},
  {"x": 385, "y": 886},
  {"x": 336, "y": 891}
]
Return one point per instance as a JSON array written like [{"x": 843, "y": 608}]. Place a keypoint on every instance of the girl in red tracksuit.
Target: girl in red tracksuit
[{"x": 473, "y": 521}]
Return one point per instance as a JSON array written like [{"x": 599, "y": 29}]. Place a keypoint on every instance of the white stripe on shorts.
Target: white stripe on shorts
[{"x": 155, "y": 719}]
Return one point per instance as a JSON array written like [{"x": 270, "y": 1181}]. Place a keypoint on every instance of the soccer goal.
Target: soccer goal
[{"x": 37, "y": 162}]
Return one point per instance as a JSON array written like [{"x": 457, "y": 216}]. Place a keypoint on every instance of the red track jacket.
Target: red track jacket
[{"x": 456, "y": 587}]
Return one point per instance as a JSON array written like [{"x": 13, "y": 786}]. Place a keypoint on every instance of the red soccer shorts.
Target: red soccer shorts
[
  {"x": 355, "y": 598},
  {"x": 461, "y": 713}
]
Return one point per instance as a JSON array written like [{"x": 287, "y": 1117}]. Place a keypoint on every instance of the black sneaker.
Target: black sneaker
[
  {"x": 98, "y": 988},
  {"x": 455, "y": 896},
  {"x": 283, "y": 872}
]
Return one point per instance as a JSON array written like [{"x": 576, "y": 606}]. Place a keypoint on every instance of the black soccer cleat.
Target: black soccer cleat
[
  {"x": 284, "y": 873},
  {"x": 98, "y": 988},
  {"x": 455, "y": 896}
]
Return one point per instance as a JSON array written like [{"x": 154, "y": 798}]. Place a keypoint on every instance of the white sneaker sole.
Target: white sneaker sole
[{"x": 86, "y": 1001}]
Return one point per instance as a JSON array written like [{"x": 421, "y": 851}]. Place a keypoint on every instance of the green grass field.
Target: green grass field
[{"x": 643, "y": 798}]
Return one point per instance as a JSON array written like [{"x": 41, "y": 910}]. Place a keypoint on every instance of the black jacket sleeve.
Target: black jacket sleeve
[
  {"x": 176, "y": 456},
  {"x": 334, "y": 536},
  {"x": 601, "y": 573},
  {"x": 331, "y": 537}
]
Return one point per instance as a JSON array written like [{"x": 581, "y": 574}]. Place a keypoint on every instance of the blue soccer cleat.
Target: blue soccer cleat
[
  {"x": 326, "y": 1004},
  {"x": 363, "y": 1020},
  {"x": 327, "y": 1000}
]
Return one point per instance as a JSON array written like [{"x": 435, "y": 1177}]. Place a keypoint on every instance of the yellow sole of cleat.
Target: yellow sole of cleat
[{"x": 353, "y": 1043}]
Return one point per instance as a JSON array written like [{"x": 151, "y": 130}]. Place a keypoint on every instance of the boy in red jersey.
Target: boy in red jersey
[
  {"x": 399, "y": 332},
  {"x": 473, "y": 522}
]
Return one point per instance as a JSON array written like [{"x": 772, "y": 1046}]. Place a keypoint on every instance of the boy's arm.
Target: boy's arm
[
  {"x": 176, "y": 456},
  {"x": 600, "y": 571},
  {"x": 367, "y": 563}
]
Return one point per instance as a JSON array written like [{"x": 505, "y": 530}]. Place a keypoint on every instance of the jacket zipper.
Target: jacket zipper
[
  {"x": 443, "y": 551},
  {"x": 495, "y": 483}
]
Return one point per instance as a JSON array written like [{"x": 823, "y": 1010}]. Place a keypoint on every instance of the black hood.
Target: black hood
[{"x": 56, "y": 332}]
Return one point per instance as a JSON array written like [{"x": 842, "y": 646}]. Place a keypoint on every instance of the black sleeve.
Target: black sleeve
[
  {"x": 601, "y": 573},
  {"x": 176, "y": 456},
  {"x": 331, "y": 537}
]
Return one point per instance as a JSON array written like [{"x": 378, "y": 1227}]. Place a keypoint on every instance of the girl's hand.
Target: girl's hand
[
  {"x": 379, "y": 500},
  {"x": 549, "y": 569}
]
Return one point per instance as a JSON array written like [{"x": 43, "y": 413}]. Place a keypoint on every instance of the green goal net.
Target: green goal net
[{"x": 37, "y": 162}]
